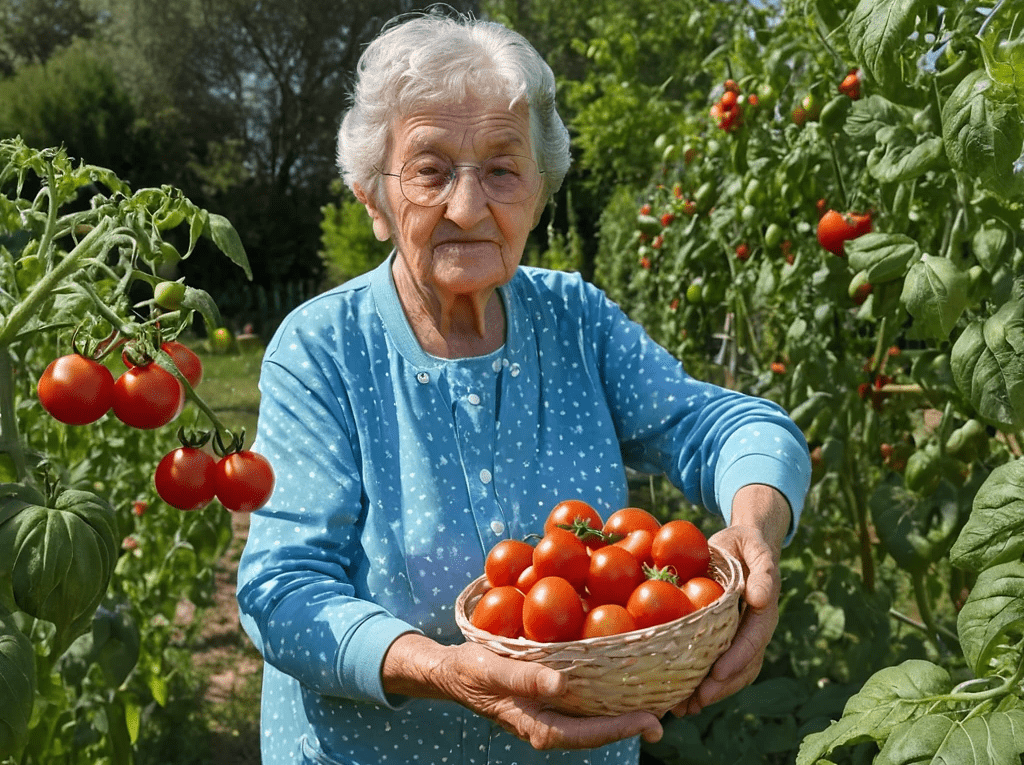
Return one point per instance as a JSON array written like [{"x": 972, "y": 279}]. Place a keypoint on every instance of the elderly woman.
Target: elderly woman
[{"x": 447, "y": 400}]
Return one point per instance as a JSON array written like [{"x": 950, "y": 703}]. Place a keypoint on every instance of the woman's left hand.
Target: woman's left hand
[{"x": 755, "y": 538}]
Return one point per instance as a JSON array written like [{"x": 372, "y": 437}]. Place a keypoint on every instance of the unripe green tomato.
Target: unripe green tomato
[
  {"x": 705, "y": 196},
  {"x": 749, "y": 214},
  {"x": 169, "y": 255},
  {"x": 773, "y": 236},
  {"x": 169, "y": 295},
  {"x": 693, "y": 293}
]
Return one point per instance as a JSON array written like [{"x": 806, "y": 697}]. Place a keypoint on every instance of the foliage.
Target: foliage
[
  {"x": 92, "y": 566},
  {"x": 900, "y": 358},
  {"x": 348, "y": 246}
]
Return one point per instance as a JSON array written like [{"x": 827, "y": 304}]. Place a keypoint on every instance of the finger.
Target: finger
[
  {"x": 518, "y": 678},
  {"x": 549, "y": 729},
  {"x": 752, "y": 637}
]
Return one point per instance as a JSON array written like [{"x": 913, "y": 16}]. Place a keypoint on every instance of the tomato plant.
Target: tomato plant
[{"x": 76, "y": 390}]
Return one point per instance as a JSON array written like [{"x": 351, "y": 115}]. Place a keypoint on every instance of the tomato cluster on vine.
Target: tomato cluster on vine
[
  {"x": 189, "y": 478},
  {"x": 587, "y": 577}
]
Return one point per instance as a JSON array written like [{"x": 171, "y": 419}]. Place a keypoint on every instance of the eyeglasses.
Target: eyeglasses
[{"x": 428, "y": 180}]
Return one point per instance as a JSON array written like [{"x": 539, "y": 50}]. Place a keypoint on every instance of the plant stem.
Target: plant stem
[
  {"x": 10, "y": 438},
  {"x": 901, "y": 617},
  {"x": 854, "y": 498},
  {"x": 924, "y": 605}
]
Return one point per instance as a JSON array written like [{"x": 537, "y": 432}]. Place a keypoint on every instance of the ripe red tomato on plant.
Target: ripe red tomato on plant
[
  {"x": 187, "y": 362},
  {"x": 850, "y": 86},
  {"x": 552, "y": 611},
  {"x": 835, "y": 229},
  {"x": 76, "y": 390},
  {"x": 607, "y": 619},
  {"x": 147, "y": 397},
  {"x": 500, "y": 612},
  {"x": 681, "y": 546},
  {"x": 702, "y": 591},
  {"x": 657, "y": 601},
  {"x": 245, "y": 481},
  {"x": 506, "y": 562},
  {"x": 562, "y": 553},
  {"x": 629, "y": 519},
  {"x": 578, "y": 515},
  {"x": 613, "y": 575},
  {"x": 186, "y": 478}
]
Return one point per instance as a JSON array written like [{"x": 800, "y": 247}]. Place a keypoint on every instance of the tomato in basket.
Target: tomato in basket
[
  {"x": 657, "y": 601},
  {"x": 683, "y": 547},
  {"x": 581, "y": 519},
  {"x": 638, "y": 542},
  {"x": 608, "y": 619},
  {"x": 562, "y": 553},
  {"x": 506, "y": 562},
  {"x": 500, "y": 612},
  {"x": 552, "y": 611},
  {"x": 613, "y": 575},
  {"x": 628, "y": 519},
  {"x": 703, "y": 591}
]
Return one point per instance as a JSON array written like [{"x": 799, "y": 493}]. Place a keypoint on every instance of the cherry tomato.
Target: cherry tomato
[
  {"x": 613, "y": 575},
  {"x": 580, "y": 516},
  {"x": 500, "y": 612},
  {"x": 835, "y": 229},
  {"x": 526, "y": 579},
  {"x": 245, "y": 481},
  {"x": 506, "y": 561},
  {"x": 609, "y": 619},
  {"x": 683, "y": 547},
  {"x": 629, "y": 519},
  {"x": 638, "y": 544},
  {"x": 148, "y": 396},
  {"x": 186, "y": 478},
  {"x": 562, "y": 553},
  {"x": 703, "y": 591},
  {"x": 552, "y": 611},
  {"x": 76, "y": 390},
  {"x": 657, "y": 601},
  {"x": 185, "y": 360}
]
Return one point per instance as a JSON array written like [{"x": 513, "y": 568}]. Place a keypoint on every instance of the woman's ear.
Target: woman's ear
[{"x": 381, "y": 225}]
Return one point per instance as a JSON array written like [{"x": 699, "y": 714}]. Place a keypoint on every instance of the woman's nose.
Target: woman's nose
[{"x": 466, "y": 204}]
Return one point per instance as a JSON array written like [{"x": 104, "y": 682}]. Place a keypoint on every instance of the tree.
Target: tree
[{"x": 31, "y": 31}]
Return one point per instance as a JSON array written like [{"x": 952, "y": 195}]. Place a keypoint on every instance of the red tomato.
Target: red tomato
[
  {"x": 506, "y": 561},
  {"x": 728, "y": 100},
  {"x": 613, "y": 575},
  {"x": 638, "y": 544},
  {"x": 186, "y": 478},
  {"x": 835, "y": 229},
  {"x": 850, "y": 86},
  {"x": 148, "y": 396},
  {"x": 500, "y": 612},
  {"x": 703, "y": 591},
  {"x": 629, "y": 519},
  {"x": 657, "y": 601},
  {"x": 552, "y": 611},
  {"x": 580, "y": 516},
  {"x": 185, "y": 360},
  {"x": 245, "y": 481},
  {"x": 609, "y": 619},
  {"x": 526, "y": 579},
  {"x": 76, "y": 390},
  {"x": 562, "y": 553},
  {"x": 683, "y": 547}
]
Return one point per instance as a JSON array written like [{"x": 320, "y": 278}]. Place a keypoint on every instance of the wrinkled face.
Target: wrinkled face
[{"x": 468, "y": 243}]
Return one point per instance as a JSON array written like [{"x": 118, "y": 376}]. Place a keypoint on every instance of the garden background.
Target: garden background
[{"x": 818, "y": 202}]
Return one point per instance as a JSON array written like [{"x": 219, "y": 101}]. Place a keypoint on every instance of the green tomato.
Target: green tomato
[
  {"x": 169, "y": 295},
  {"x": 221, "y": 340},
  {"x": 773, "y": 236},
  {"x": 693, "y": 293}
]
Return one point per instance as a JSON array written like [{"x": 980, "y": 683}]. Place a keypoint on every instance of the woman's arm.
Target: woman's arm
[{"x": 509, "y": 692}]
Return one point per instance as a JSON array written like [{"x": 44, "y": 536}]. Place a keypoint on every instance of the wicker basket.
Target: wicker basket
[{"x": 652, "y": 669}]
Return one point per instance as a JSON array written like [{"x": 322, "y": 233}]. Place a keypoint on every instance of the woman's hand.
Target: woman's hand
[
  {"x": 760, "y": 520},
  {"x": 511, "y": 693}
]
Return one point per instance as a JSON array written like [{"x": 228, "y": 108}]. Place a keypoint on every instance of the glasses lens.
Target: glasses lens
[{"x": 429, "y": 180}]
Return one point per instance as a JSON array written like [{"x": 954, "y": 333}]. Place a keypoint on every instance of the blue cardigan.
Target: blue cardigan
[{"x": 397, "y": 471}]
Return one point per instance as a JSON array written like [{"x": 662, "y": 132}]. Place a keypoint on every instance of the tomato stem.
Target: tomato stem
[{"x": 10, "y": 438}]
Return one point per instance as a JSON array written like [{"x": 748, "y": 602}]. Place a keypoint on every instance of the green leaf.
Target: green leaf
[
  {"x": 990, "y": 739},
  {"x": 914, "y": 530},
  {"x": 992, "y": 243},
  {"x": 877, "y": 31},
  {"x": 994, "y": 533},
  {"x": 224, "y": 235},
  {"x": 889, "y": 698},
  {"x": 902, "y": 155},
  {"x": 870, "y": 115},
  {"x": 17, "y": 686},
  {"x": 200, "y": 300},
  {"x": 984, "y": 136},
  {"x": 1002, "y": 47},
  {"x": 935, "y": 294},
  {"x": 988, "y": 365},
  {"x": 883, "y": 256},
  {"x": 993, "y": 612}
]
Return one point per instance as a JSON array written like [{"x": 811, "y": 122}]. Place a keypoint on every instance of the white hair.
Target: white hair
[{"x": 433, "y": 59}]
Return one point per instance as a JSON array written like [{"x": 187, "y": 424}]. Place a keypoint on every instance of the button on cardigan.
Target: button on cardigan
[{"x": 397, "y": 471}]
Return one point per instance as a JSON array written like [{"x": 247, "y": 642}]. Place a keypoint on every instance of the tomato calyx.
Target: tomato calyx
[
  {"x": 661, "y": 573},
  {"x": 581, "y": 528}
]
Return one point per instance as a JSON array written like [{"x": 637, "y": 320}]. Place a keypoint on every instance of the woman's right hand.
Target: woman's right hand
[{"x": 511, "y": 693}]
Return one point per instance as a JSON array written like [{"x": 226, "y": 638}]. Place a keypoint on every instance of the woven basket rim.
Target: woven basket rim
[{"x": 727, "y": 564}]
